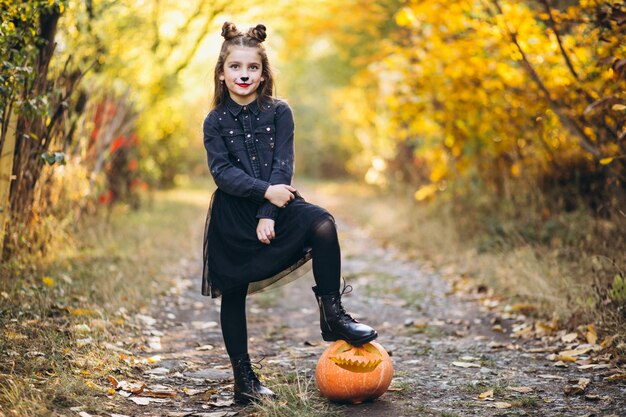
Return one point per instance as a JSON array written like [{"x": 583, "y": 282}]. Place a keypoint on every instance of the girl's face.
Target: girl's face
[{"x": 242, "y": 74}]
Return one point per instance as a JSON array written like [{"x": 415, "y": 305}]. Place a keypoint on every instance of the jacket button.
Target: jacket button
[
  {"x": 248, "y": 135},
  {"x": 231, "y": 132},
  {"x": 268, "y": 129},
  {"x": 253, "y": 158}
]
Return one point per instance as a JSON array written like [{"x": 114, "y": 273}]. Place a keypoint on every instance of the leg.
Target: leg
[
  {"x": 233, "y": 321},
  {"x": 234, "y": 330},
  {"x": 326, "y": 256},
  {"x": 335, "y": 323}
]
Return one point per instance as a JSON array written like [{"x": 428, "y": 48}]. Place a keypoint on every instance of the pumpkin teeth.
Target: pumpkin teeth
[{"x": 357, "y": 366}]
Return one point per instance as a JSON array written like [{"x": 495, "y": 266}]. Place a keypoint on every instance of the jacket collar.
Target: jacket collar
[{"x": 236, "y": 108}]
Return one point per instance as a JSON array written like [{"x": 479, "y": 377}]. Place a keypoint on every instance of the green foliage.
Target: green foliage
[{"x": 618, "y": 289}]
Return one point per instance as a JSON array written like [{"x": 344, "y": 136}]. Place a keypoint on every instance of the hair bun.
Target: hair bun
[
  {"x": 229, "y": 30},
  {"x": 258, "y": 32}
]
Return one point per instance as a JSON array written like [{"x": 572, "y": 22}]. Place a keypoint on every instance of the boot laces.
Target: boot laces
[
  {"x": 254, "y": 366},
  {"x": 347, "y": 289}
]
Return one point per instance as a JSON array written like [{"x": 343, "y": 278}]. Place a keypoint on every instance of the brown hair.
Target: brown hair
[{"x": 253, "y": 38}]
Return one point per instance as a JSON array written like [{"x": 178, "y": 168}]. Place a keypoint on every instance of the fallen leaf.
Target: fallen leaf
[
  {"x": 595, "y": 366},
  {"x": 616, "y": 377},
  {"x": 221, "y": 403},
  {"x": 522, "y": 390},
  {"x": 81, "y": 328},
  {"x": 502, "y": 405},
  {"x": 158, "y": 391},
  {"x": 48, "y": 281},
  {"x": 576, "y": 352},
  {"x": 147, "y": 400},
  {"x": 569, "y": 338},
  {"x": 146, "y": 320},
  {"x": 82, "y": 312},
  {"x": 546, "y": 327},
  {"x": 205, "y": 347},
  {"x": 158, "y": 371},
  {"x": 84, "y": 342},
  {"x": 591, "y": 335},
  {"x": 591, "y": 397},
  {"x": 486, "y": 396},
  {"x": 203, "y": 325},
  {"x": 607, "y": 342},
  {"x": 523, "y": 308},
  {"x": 466, "y": 364},
  {"x": 134, "y": 387},
  {"x": 577, "y": 388},
  {"x": 565, "y": 358}
]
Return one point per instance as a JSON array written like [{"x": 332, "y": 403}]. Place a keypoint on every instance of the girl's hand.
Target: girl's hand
[
  {"x": 265, "y": 230},
  {"x": 280, "y": 194}
]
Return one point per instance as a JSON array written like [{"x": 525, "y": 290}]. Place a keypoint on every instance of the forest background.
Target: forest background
[{"x": 486, "y": 133}]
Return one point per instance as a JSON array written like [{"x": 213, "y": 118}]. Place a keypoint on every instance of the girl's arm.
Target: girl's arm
[
  {"x": 283, "y": 161},
  {"x": 228, "y": 177}
]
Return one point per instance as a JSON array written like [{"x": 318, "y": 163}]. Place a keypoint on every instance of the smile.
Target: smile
[{"x": 243, "y": 85}]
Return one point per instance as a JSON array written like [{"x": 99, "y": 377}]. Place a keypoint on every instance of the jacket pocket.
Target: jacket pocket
[
  {"x": 234, "y": 139},
  {"x": 265, "y": 136}
]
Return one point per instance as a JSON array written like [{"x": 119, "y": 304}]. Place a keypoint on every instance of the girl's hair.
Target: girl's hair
[{"x": 253, "y": 38}]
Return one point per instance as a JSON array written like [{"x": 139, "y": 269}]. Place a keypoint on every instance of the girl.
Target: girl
[{"x": 259, "y": 229}]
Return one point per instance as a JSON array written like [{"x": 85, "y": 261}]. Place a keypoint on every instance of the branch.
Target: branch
[
  {"x": 548, "y": 9},
  {"x": 203, "y": 32},
  {"x": 585, "y": 141}
]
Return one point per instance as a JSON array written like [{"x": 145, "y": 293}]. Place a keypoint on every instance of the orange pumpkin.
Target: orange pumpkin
[{"x": 347, "y": 373}]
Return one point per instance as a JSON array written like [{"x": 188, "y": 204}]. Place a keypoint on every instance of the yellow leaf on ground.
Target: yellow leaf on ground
[
  {"x": 82, "y": 312},
  {"x": 48, "y": 281},
  {"x": 618, "y": 107},
  {"x": 502, "y": 405},
  {"x": 606, "y": 161},
  {"x": 591, "y": 335},
  {"x": 524, "y": 308},
  {"x": 565, "y": 358},
  {"x": 607, "y": 341},
  {"x": 486, "y": 396}
]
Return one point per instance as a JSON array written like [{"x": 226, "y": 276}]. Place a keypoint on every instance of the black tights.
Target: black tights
[{"x": 326, "y": 270}]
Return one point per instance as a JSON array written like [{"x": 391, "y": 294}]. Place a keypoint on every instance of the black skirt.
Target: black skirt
[{"x": 235, "y": 258}]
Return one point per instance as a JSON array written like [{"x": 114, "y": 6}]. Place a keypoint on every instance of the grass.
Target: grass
[
  {"x": 297, "y": 397},
  {"x": 565, "y": 265},
  {"x": 49, "y": 360}
]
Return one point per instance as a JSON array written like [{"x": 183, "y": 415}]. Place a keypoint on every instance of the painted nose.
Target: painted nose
[{"x": 244, "y": 79}]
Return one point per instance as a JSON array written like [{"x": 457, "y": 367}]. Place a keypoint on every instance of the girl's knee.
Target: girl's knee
[{"x": 324, "y": 226}]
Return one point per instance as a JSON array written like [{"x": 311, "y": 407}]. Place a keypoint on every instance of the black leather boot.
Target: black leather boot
[
  {"x": 247, "y": 385},
  {"x": 336, "y": 324}
]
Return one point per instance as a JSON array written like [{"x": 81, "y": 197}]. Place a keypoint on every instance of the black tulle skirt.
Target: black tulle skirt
[{"x": 234, "y": 257}]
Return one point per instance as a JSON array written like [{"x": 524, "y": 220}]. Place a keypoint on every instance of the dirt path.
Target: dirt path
[{"x": 442, "y": 342}]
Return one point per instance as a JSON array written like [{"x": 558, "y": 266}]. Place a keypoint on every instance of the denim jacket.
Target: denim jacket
[{"x": 250, "y": 148}]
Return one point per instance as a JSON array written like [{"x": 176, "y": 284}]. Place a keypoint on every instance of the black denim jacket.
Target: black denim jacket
[{"x": 250, "y": 148}]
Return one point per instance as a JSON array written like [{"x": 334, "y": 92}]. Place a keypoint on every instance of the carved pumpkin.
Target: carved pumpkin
[{"x": 347, "y": 373}]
